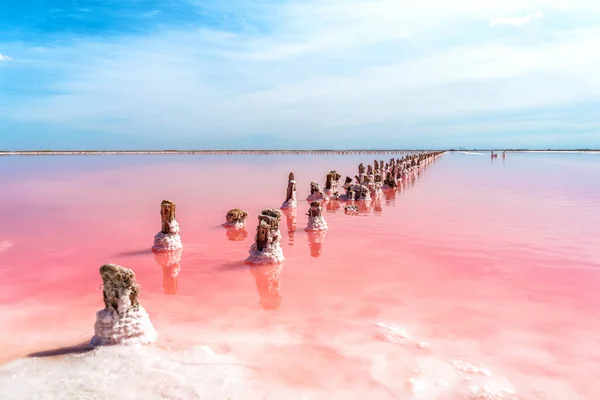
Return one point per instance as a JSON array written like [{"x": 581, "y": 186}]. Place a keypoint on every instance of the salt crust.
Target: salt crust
[
  {"x": 235, "y": 225},
  {"x": 129, "y": 373},
  {"x": 292, "y": 203},
  {"x": 131, "y": 327},
  {"x": 168, "y": 241},
  {"x": 271, "y": 254},
  {"x": 316, "y": 196},
  {"x": 316, "y": 224}
]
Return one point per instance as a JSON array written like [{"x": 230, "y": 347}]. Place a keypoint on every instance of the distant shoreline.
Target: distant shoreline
[{"x": 262, "y": 152}]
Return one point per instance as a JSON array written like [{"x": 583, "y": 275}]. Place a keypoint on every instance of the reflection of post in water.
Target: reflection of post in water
[
  {"x": 267, "y": 279},
  {"x": 169, "y": 261},
  {"x": 315, "y": 242},
  {"x": 377, "y": 207},
  {"x": 332, "y": 206},
  {"x": 390, "y": 196},
  {"x": 236, "y": 234},
  {"x": 290, "y": 219},
  {"x": 364, "y": 206}
]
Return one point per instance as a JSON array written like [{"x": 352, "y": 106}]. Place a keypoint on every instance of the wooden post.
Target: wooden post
[{"x": 167, "y": 215}]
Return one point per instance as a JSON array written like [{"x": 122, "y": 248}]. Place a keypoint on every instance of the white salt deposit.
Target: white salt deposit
[
  {"x": 168, "y": 241},
  {"x": 292, "y": 203},
  {"x": 128, "y": 372},
  {"x": 434, "y": 378},
  {"x": 130, "y": 327},
  {"x": 316, "y": 224},
  {"x": 235, "y": 225},
  {"x": 316, "y": 196},
  {"x": 271, "y": 254}
]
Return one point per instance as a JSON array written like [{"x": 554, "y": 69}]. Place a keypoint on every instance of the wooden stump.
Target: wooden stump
[
  {"x": 119, "y": 283},
  {"x": 167, "y": 215}
]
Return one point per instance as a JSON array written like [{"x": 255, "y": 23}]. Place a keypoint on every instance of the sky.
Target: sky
[{"x": 299, "y": 74}]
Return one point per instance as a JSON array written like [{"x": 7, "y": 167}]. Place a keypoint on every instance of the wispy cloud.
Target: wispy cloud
[
  {"x": 5, "y": 58},
  {"x": 516, "y": 21},
  {"x": 151, "y": 13},
  {"x": 385, "y": 70}
]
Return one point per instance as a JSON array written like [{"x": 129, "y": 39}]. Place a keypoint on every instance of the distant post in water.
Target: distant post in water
[
  {"x": 267, "y": 248},
  {"x": 235, "y": 219},
  {"x": 331, "y": 184},
  {"x": 316, "y": 193},
  {"x": 168, "y": 238},
  {"x": 290, "y": 196},
  {"x": 316, "y": 221}
]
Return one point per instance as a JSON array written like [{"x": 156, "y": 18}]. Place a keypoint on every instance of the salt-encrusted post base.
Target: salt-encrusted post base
[
  {"x": 270, "y": 254},
  {"x": 131, "y": 327},
  {"x": 167, "y": 242},
  {"x": 123, "y": 320},
  {"x": 289, "y": 204},
  {"x": 316, "y": 224}
]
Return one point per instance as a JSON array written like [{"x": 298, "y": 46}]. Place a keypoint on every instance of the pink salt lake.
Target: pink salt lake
[{"x": 479, "y": 279}]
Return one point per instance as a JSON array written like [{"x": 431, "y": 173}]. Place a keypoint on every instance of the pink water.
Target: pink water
[{"x": 479, "y": 279}]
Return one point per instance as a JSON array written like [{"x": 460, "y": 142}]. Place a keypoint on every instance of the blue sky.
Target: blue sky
[{"x": 164, "y": 74}]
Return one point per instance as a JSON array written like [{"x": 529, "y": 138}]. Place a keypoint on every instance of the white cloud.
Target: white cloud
[
  {"x": 325, "y": 67},
  {"x": 5, "y": 58},
  {"x": 516, "y": 21}
]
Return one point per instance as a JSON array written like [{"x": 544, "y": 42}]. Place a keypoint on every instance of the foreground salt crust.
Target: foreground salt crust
[
  {"x": 128, "y": 373},
  {"x": 123, "y": 321}
]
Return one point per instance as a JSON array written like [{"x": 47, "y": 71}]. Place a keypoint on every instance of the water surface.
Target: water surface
[{"x": 476, "y": 278}]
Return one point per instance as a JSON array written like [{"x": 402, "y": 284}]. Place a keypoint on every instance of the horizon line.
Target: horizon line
[{"x": 207, "y": 151}]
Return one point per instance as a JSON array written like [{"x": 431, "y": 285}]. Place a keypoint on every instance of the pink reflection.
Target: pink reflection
[
  {"x": 315, "y": 242},
  {"x": 333, "y": 206},
  {"x": 267, "y": 280},
  {"x": 236, "y": 234},
  {"x": 170, "y": 264},
  {"x": 290, "y": 220}
]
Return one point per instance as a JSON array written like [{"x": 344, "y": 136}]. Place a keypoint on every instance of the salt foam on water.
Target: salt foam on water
[
  {"x": 5, "y": 245},
  {"x": 434, "y": 378},
  {"x": 127, "y": 372}
]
